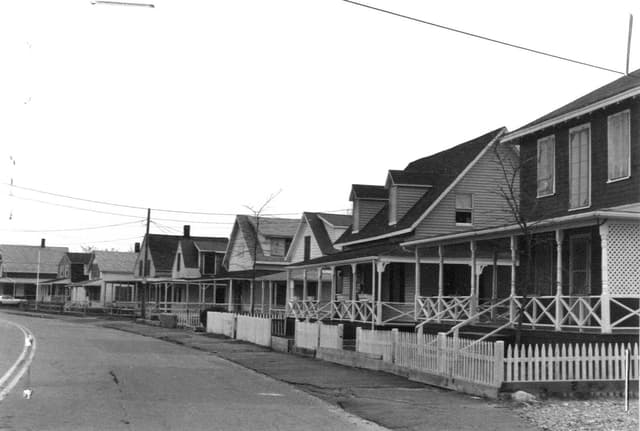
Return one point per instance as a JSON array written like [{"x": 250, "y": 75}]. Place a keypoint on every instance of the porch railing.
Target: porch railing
[{"x": 447, "y": 309}]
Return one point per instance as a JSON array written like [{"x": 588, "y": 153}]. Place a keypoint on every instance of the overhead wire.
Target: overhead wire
[
  {"x": 478, "y": 36},
  {"x": 73, "y": 229}
]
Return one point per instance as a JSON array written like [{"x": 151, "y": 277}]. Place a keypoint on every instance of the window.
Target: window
[
  {"x": 278, "y": 247},
  {"x": 546, "y": 166},
  {"x": 618, "y": 145},
  {"x": 579, "y": 167},
  {"x": 464, "y": 209},
  {"x": 307, "y": 247},
  {"x": 208, "y": 263},
  {"x": 178, "y": 263}
]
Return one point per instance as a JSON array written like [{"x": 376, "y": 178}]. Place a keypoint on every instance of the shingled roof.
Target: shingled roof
[
  {"x": 627, "y": 85},
  {"x": 83, "y": 258},
  {"x": 440, "y": 170},
  {"x": 366, "y": 191},
  {"x": 23, "y": 259},
  {"x": 337, "y": 220},
  {"x": 115, "y": 261}
]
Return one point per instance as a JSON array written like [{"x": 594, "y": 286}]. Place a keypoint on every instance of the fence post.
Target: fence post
[
  {"x": 358, "y": 336},
  {"x": 394, "y": 344},
  {"x": 498, "y": 370},
  {"x": 440, "y": 353},
  {"x": 340, "y": 340},
  {"x": 234, "y": 326},
  {"x": 420, "y": 335},
  {"x": 319, "y": 325}
]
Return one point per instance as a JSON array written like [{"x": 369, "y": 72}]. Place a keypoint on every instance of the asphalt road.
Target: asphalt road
[
  {"x": 11, "y": 345},
  {"x": 86, "y": 377}
]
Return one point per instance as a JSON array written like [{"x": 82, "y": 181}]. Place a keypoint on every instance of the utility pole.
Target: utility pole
[
  {"x": 38, "y": 274},
  {"x": 143, "y": 290}
]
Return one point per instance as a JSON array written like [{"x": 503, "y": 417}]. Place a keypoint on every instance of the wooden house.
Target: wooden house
[
  {"x": 23, "y": 267},
  {"x": 179, "y": 269},
  {"x": 254, "y": 260},
  {"x": 373, "y": 278},
  {"x": 109, "y": 280},
  {"x": 575, "y": 260},
  {"x": 71, "y": 269}
]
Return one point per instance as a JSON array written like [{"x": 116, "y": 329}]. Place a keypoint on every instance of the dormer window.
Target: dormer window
[
  {"x": 546, "y": 166},
  {"x": 207, "y": 263},
  {"x": 464, "y": 209},
  {"x": 280, "y": 246}
]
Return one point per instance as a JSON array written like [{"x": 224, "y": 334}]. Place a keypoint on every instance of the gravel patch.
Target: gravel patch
[{"x": 606, "y": 414}]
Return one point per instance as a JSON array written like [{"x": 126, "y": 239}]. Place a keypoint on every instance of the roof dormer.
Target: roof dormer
[
  {"x": 405, "y": 188},
  {"x": 367, "y": 201}
]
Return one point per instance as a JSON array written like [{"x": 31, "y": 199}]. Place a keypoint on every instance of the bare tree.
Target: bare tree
[
  {"x": 257, "y": 213},
  {"x": 510, "y": 166}
]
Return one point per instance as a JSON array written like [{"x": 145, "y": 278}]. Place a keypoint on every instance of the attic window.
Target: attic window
[
  {"x": 280, "y": 246},
  {"x": 464, "y": 209}
]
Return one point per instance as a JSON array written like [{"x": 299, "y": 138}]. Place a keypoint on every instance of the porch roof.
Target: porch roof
[
  {"x": 244, "y": 275},
  {"x": 388, "y": 251},
  {"x": 85, "y": 283},
  {"x": 626, "y": 212}
]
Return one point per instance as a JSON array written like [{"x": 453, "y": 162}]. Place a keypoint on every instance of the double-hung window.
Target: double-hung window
[
  {"x": 580, "y": 167},
  {"x": 464, "y": 209},
  {"x": 618, "y": 146},
  {"x": 546, "y": 161}
]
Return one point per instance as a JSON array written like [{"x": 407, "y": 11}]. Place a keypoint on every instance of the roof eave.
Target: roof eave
[{"x": 568, "y": 116}]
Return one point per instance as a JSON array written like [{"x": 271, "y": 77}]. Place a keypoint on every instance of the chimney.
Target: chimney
[
  {"x": 187, "y": 231},
  {"x": 42, "y": 243},
  {"x": 136, "y": 247}
]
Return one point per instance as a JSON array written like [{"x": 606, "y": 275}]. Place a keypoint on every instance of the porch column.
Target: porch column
[
  {"x": 188, "y": 297},
  {"x": 215, "y": 292},
  {"x": 251, "y": 302},
  {"x": 305, "y": 292},
  {"x": 605, "y": 297},
  {"x": 474, "y": 280},
  {"x": 380, "y": 267},
  {"x": 333, "y": 283},
  {"x": 417, "y": 289},
  {"x": 514, "y": 256},
  {"x": 262, "y": 296},
  {"x": 288, "y": 293},
  {"x": 270, "y": 295},
  {"x": 166, "y": 297},
  {"x": 440, "y": 281},
  {"x": 230, "y": 304},
  {"x": 494, "y": 283},
  {"x": 353, "y": 280},
  {"x": 319, "y": 292},
  {"x": 559, "y": 317}
]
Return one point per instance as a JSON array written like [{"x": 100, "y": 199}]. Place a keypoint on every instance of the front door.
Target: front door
[{"x": 580, "y": 265}]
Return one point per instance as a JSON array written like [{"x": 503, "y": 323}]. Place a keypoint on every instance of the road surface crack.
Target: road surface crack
[{"x": 114, "y": 377}]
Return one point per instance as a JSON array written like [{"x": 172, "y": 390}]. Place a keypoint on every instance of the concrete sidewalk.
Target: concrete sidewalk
[{"x": 388, "y": 400}]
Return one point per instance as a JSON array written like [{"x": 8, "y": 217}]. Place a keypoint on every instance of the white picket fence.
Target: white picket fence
[
  {"x": 188, "y": 319},
  {"x": 375, "y": 343},
  {"x": 580, "y": 362},
  {"x": 449, "y": 357},
  {"x": 256, "y": 330},
  {"x": 221, "y": 323},
  {"x": 331, "y": 336},
  {"x": 307, "y": 335}
]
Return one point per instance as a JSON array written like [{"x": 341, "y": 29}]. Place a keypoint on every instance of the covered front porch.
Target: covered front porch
[
  {"x": 576, "y": 274},
  {"x": 376, "y": 289}
]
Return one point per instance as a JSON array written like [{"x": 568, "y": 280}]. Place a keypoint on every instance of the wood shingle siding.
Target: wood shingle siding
[
  {"x": 489, "y": 209},
  {"x": 240, "y": 256}
]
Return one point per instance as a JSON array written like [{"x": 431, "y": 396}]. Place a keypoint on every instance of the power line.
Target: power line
[
  {"x": 477, "y": 36},
  {"x": 101, "y": 202},
  {"x": 73, "y": 229},
  {"x": 75, "y": 208}
]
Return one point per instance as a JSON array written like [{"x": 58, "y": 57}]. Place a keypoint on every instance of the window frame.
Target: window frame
[
  {"x": 626, "y": 112},
  {"x": 579, "y": 128},
  {"x": 552, "y": 139},
  {"x": 463, "y": 209}
]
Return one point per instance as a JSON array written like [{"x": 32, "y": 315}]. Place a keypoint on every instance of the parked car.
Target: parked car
[{"x": 10, "y": 300}]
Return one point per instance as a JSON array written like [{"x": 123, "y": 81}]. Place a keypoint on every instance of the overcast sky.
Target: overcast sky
[{"x": 211, "y": 106}]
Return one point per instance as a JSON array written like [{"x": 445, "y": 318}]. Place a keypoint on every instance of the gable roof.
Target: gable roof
[
  {"x": 162, "y": 249},
  {"x": 24, "y": 258},
  {"x": 211, "y": 244},
  {"x": 336, "y": 220},
  {"x": 115, "y": 261},
  {"x": 621, "y": 88},
  {"x": 319, "y": 233},
  {"x": 410, "y": 177},
  {"x": 442, "y": 170},
  {"x": 369, "y": 192}
]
